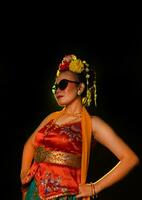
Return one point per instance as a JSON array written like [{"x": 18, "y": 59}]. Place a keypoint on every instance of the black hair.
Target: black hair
[{"x": 82, "y": 79}]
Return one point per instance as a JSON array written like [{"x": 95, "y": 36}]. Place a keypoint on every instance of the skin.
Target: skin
[{"x": 102, "y": 132}]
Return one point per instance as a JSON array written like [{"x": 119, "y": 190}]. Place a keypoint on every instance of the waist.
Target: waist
[{"x": 57, "y": 157}]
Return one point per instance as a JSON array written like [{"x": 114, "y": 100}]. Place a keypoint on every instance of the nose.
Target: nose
[{"x": 57, "y": 91}]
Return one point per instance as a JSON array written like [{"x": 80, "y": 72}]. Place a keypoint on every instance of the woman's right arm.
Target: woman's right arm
[
  {"x": 28, "y": 155},
  {"x": 28, "y": 151}
]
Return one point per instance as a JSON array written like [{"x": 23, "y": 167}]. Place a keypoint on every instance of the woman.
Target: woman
[{"x": 56, "y": 156}]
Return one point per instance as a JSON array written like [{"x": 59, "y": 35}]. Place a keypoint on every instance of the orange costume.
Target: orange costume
[{"x": 61, "y": 157}]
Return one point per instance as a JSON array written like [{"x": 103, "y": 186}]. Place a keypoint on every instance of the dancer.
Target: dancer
[{"x": 56, "y": 156}]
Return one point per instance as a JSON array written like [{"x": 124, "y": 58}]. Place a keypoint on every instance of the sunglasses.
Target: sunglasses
[{"x": 62, "y": 85}]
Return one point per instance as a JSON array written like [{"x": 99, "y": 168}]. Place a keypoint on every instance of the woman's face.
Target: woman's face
[{"x": 66, "y": 96}]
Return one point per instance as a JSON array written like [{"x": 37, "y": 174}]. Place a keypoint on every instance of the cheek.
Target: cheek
[
  {"x": 69, "y": 94},
  {"x": 71, "y": 88}
]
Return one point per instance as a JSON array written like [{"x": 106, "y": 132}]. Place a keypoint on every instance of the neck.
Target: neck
[{"x": 74, "y": 108}]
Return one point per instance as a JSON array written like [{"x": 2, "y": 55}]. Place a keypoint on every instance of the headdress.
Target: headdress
[{"x": 76, "y": 65}]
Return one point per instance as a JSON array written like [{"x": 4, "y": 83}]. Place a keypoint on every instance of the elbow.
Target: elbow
[
  {"x": 131, "y": 161},
  {"x": 22, "y": 175},
  {"x": 134, "y": 160}
]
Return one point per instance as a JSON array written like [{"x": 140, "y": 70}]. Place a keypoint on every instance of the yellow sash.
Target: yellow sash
[{"x": 86, "y": 141}]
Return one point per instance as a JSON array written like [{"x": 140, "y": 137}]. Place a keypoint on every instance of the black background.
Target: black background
[{"x": 31, "y": 48}]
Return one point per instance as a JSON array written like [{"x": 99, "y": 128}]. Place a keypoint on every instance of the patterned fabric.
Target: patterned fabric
[
  {"x": 32, "y": 194},
  {"x": 57, "y": 157},
  {"x": 54, "y": 181}
]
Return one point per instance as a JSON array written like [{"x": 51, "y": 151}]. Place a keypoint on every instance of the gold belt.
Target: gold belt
[{"x": 57, "y": 157}]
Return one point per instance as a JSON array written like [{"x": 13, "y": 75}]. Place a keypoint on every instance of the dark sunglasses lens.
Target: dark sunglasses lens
[{"x": 63, "y": 84}]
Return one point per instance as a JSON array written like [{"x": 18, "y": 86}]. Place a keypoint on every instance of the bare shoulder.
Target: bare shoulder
[
  {"x": 108, "y": 137},
  {"x": 98, "y": 122},
  {"x": 95, "y": 118},
  {"x": 101, "y": 128}
]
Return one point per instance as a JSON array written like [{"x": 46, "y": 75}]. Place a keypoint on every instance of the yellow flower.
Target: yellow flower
[{"x": 76, "y": 66}]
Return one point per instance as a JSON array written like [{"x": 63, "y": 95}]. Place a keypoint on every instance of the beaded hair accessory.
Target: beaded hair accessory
[{"x": 76, "y": 65}]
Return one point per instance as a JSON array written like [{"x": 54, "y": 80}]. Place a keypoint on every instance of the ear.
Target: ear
[{"x": 81, "y": 87}]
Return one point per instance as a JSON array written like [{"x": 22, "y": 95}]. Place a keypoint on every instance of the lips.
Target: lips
[{"x": 59, "y": 96}]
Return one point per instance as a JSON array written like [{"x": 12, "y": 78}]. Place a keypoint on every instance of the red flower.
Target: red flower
[{"x": 63, "y": 66}]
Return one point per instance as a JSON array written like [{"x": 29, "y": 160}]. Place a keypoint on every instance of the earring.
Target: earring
[{"x": 79, "y": 92}]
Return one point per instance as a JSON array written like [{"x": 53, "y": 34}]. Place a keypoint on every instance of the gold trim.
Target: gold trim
[{"x": 57, "y": 157}]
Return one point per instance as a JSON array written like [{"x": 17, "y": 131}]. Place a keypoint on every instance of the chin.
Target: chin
[{"x": 62, "y": 103}]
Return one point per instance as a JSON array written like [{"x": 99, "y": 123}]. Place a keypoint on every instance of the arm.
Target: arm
[
  {"x": 28, "y": 155},
  {"x": 105, "y": 135},
  {"x": 28, "y": 151}
]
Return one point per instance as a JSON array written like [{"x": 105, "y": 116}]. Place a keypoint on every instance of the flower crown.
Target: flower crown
[{"x": 72, "y": 63}]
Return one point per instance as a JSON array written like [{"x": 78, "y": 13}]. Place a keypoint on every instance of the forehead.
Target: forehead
[{"x": 67, "y": 75}]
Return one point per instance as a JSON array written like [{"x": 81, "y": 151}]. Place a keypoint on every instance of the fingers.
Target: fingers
[
  {"x": 84, "y": 191},
  {"x": 80, "y": 192},
  {"x": 79, "y": 196}
]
